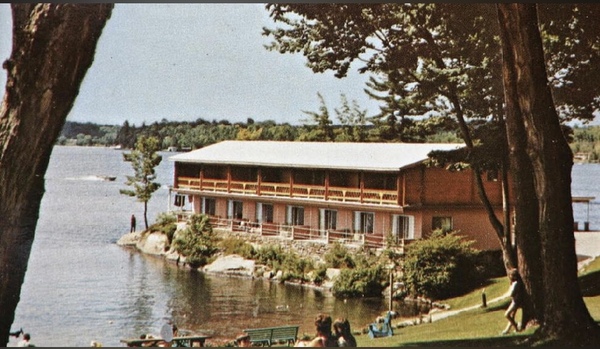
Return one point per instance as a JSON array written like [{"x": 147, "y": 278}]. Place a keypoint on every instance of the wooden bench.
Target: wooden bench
[
  {"x": 183, "y": 341},
  {"x": 267, "y": 336}
]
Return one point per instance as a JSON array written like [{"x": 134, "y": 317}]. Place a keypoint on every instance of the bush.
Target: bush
[
  {"x": 237, "y": 246},
  {"x": 338, "y": 256},
  {"x": 441, "y": 266},
  {"x": 270, "y": 255},
  {"x": 361, "y": 282},
  {"x": 196, "y": 242},
  {"x": 165, "y": 223},
  {"x": 320, "y": 275},
  {"x": 296, "y": 268}
]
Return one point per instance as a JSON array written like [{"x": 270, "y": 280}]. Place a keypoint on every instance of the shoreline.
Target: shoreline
[{"x": 237, "y": 267}]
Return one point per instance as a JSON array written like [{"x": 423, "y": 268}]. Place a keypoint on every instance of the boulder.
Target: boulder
[
  {"x": 231, "y": 264},
  {"x": 155, "y": 243}
]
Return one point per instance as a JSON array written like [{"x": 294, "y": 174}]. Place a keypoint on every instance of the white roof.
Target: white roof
[{"x": 327, "y": 155}]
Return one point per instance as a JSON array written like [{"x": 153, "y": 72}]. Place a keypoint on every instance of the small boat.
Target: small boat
[{"x": 108, "y": 178}]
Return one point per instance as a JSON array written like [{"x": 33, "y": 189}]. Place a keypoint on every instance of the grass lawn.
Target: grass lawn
[{"x": 480, "y": 327}]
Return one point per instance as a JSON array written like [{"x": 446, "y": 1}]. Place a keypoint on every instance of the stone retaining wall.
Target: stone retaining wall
[{"x": 304, "y": 248}]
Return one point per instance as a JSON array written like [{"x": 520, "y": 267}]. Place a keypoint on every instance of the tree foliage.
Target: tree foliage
[
  {"x": 441, "y": 266},
  {"x": 196, "y": 242},
  {"x": 143, "y": 159}
]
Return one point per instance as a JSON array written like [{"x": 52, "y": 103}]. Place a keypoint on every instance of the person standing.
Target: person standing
[
  {"x": 516, "y": 300},
  {"x": 132, "y": 229},
  {"x": 25, "y": 342}
]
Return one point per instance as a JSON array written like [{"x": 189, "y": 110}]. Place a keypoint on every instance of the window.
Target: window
[
  {"x": 179, "y": 200},
  {"x": 209, "y": 206},
  {"x": 403, "y": 227},
  {"x": 264, "y": 212},
  {"x": 443, "y": 223},
  {"x": 295, "y": 215},
  {"x": 327, "y": 219},
  {"x": 363, "y": 222},
  {"x": 235, "y": 209}
]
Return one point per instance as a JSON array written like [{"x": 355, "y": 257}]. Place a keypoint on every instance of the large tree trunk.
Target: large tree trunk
[
  {"x": 542, "y": 163},
  {"x": 53, "y": 47}
]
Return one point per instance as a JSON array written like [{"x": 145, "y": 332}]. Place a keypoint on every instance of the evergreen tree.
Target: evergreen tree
[{"x": 144, "y": 159}]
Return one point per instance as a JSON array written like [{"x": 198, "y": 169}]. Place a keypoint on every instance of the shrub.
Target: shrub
[
  {"x": 165, "y": 223},
  {"x": 270, "y": 255},
  {"x": 360, "y": 282},
  {"x": 320, "y": 274},
  {"x": 296, "y": 268},
  {"x": 237, "y": 246},
  {"x": 338, "y": 256},
  {"x": 440, "y": 267},
  {"x": 196, "y": 242}
]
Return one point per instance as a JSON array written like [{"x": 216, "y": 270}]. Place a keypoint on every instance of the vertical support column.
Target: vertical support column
[
  {"x": 201, "y": 176},
  {"x": 291, "y": 183},
  {"x": 258, "y": 181},
  {"x": 326, "y": 185},
  {"x": 229, "y": 179},
  {"x": 362, "y": 186}
]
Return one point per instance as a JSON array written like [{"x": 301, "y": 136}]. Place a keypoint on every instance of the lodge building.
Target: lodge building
[{"x": 355, "y": 193}]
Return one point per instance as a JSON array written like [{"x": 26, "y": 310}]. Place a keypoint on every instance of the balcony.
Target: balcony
[
  {"x": 303, "y": 233},
  {"x": 291, "y": 190}
]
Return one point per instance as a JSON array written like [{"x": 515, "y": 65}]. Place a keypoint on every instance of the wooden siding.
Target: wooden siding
[{"x": 421, "y": 192}]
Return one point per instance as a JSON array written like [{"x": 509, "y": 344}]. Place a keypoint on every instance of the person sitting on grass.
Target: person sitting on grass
[
  {"x": 325, "y": 337},
  {"x": 341, "y": 328}
]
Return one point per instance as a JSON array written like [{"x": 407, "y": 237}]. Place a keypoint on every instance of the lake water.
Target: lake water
[{"x": 80, "y": 286}]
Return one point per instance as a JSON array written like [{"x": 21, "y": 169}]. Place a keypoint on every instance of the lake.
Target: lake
[{"x": 81, "y": 286}]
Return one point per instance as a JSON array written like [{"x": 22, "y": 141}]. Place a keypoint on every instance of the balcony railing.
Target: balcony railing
[
  {"x": 297, "y": 232},
  {"x": 302, "y": 191}
]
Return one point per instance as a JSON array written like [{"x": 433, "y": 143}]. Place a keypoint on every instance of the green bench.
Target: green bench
[{"x": 268, "y": 336}]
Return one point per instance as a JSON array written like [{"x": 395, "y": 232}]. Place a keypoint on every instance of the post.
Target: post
[
  {"x": 483, "y": 299},
  {"x": 391, "y": 288}
]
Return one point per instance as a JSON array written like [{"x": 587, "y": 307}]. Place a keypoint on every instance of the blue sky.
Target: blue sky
[{"x": 189, "y": 61}]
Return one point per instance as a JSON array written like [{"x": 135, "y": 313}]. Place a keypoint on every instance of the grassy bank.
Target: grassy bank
[{"x": 480, "y": 327}]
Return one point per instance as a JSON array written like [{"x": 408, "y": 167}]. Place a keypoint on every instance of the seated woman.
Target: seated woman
[
  {"x": 325, "y": 337},
  {"x": 341, "y": 329}
]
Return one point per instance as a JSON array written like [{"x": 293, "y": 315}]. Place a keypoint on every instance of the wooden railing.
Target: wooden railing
[
  {"x": 291, "y": 232},
  {"x": 339, "y": 194}
]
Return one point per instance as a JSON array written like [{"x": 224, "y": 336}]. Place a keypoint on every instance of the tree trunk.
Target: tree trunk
[
  {"x": 542, "y": 163},
  {"x": 53, "y": 46}
]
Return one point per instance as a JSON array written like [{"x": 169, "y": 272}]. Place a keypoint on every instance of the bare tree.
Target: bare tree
[{"x": 53, "y": 47}]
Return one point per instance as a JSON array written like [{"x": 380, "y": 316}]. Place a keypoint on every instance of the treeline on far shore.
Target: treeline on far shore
[
  {"x": 197, "y": 134},
  {"x": 187, "y": 135}
]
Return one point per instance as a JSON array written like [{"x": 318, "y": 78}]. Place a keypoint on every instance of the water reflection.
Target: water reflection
[{"x": 225, "y": 306}]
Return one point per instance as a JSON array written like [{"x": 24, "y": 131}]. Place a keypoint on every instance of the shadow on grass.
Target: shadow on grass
[
  {"x": 507, "y": 341},
  {"x": 590, "y": 284}
]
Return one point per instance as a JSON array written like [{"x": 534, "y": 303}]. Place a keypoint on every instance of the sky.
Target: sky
[{"x": 182, "y": 62}]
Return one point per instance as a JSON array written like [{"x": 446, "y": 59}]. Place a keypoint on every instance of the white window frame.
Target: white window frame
[
  {"x": 448, "y": 220},
  {"x": 292, "y": 218},
  {"x": 403, "y": 226},
  {"x": 360, "y": 223},
  {"x": 260, "y": 212},
  {"x": 324, "y": 222},
  {"x": 231, "y": 204}
]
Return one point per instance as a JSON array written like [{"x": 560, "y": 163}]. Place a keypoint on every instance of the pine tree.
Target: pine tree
[{"x": 144, "y": 159}]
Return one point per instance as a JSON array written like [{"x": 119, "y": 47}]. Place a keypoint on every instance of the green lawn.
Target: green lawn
[{"x": 480, "y": 327}]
